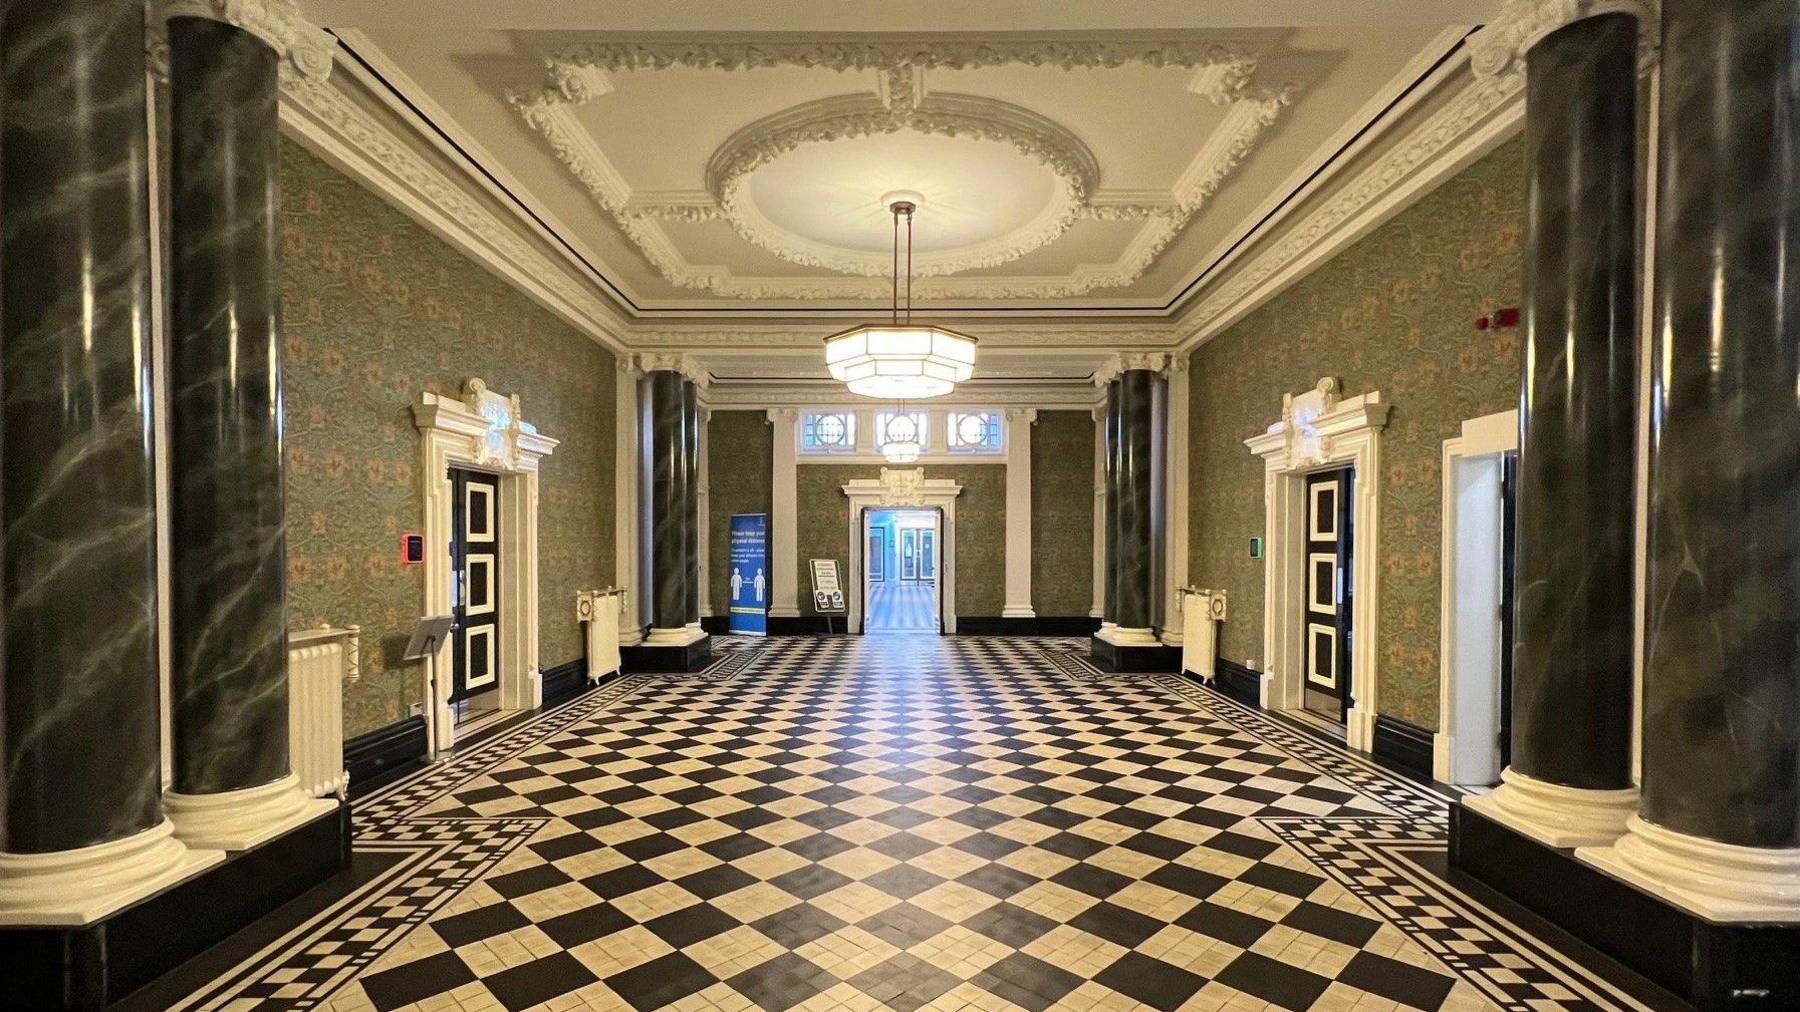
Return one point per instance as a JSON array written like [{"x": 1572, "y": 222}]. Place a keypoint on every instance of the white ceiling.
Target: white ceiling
[{"x": 731, "y": 157}]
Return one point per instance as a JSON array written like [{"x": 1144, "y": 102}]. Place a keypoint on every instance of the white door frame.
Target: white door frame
[
  {"x": 1466, "y": 748},
  {"x": 903, "y": 488},
  {"x": 937, "y": 561},
  {"x": 482, "y": 431},
  {"x": 1317, "y": 431}
]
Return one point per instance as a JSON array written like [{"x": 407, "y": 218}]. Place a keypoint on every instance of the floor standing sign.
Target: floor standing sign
[{"x": 749, "y": 580}]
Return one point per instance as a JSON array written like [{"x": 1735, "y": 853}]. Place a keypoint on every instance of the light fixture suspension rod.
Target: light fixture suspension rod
[
  {"x": 896, "y": 308},
  {"x": 909, "y": 215}
]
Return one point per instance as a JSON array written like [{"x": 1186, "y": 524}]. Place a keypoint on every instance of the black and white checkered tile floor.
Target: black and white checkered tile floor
[{"x": 904, "y": 823}]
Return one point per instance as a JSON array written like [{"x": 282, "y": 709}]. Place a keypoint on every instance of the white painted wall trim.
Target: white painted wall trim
[
  {"x": 704, "y": 524},
  {"x": 1175, "y": 511},
  {"x": 476, "y": 432},
  {"x": 625, "y": 499},
  {"x": 1466, "y": 748},
  {"x": 1099, "y": 608},
  {"x": 1018, "y": 513},
  {"x": 1318, "y": 431},
  {"x": 784, "y": 507},
  {"x": 919, "y": 492}
]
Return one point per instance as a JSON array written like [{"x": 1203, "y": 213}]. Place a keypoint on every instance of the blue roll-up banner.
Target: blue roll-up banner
[{"x": 749, "y": 576}]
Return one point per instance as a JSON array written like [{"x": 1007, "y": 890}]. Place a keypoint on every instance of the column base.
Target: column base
[
  {"x": 1718, "y": 881},
  {"x": 784, "y": 611},
  {"x": 92, "y": 966},
  {"x": 679, "y": 636},
  {"x": 1554, "y": 815},
  {"x": 1706, "y": 963},
  {"x": 242, "y": 819},
  {"x": 689, "y": 656},
  {"x": 1128, "y": 636},
  {"x": 630, "y": 636},
  {"x": 1109, "y": 655},
  {"x": 1018, "y": 611},
  {"x": 72, "y": 888},
  {"x": 1172, "y": 638}
]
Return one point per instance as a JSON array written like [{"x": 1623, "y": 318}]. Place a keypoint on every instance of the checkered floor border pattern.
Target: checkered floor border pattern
[{"x": 905, "y": 823}]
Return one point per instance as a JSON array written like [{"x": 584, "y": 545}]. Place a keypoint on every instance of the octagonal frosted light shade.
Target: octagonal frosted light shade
[
  {"x": 897, "y": 451},
  {"x": 900, "y": 361}
]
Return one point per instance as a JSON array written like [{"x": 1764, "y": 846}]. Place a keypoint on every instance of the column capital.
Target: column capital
[
  {"x": 1028, "y": 416},
  {"x": 1499, "y": 48},
  {"x": 304, "y": 46},
  {"x": 1151, "y": 361},
  {"x": 788, "y": 415},
  {"x": 675, "y": 362}
]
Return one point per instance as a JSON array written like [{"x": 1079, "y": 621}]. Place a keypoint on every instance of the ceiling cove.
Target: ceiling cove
[{"x": 1000, "y": 180}]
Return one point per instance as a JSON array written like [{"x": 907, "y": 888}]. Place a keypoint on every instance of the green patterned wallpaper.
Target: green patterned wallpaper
[
  {"x": 740, "y": 448},
  {"x": 1062, "y": 514},
  {"x": 1394, "y": 313},
  {"x": 376, "y": 311},
  {"x": 980, "y": 528}
]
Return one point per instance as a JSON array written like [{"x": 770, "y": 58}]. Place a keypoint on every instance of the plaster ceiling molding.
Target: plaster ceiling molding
[
  {"x": 1480, "y": 115},
  {"x": 323, "y": 117},
  {"x": 787, "y": 335},
  {"x": 902, "y": 103},
  {"x": 729, "y": 171},
  {"x": 949, "y": 53}
]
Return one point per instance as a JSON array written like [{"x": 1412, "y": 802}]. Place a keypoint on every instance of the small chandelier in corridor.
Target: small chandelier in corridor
[
  {"x": 900, "y": 359},
  {"x": 900, "y": 438}
]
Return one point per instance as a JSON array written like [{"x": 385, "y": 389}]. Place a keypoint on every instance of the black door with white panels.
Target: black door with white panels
[
  {"x": 475, "y": 582},
  {"x": 1329, "y": 518}
]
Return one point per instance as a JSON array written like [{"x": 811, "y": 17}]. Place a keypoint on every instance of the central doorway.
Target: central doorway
[{"x": 901, "y": 554}]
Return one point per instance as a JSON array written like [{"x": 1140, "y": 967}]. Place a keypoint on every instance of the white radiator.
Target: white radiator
[
  {"x": 600, "y": 610},
  {"x": 320, "y": 663},
  {"x": 1201, "y": 613}
]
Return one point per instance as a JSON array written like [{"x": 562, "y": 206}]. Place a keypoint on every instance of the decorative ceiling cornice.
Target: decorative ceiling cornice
[
  {"x": 1484, "y": 111},
  {"x": 931, "y": 52},
  {"x": 789, "y": 335},
  {"x": 1224, "y": 74}
]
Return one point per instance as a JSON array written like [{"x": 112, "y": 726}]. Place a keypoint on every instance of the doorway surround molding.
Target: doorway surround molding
[
  {"x": 1466, "y": 748},
  {"x": 902, "y": 487},
  {"x": 482, "y": 431},
  {"x": 1319, "y": 430}
]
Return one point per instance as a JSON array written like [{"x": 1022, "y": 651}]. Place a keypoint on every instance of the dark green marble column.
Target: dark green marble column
[
  {"x": 668, "y": 501},
  {"x": 690, "y": 508},
  {"x": 80, "y": 748},
  {"x": 1134, "y": 533},
  {"x": 1721, "y": 740},
  {"x": 229, "y": 607},
  {"x": 1572, "y": 667},
  {"x": 1110, "y": 604}
]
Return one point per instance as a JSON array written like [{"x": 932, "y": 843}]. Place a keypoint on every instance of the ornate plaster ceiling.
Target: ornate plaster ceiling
[{"x": 1077, "y": 169}]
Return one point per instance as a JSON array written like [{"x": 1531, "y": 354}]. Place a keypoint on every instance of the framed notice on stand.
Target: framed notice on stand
[{"x": 828, "y": 590}]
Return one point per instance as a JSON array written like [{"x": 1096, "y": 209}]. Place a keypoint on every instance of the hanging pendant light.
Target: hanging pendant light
[
  {"x": 900, "y": 359},
  {"x": 900, "y": 438}
]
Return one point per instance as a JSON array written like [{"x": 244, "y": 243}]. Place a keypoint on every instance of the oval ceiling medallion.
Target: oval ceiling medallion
[{"x": 998, "y": 182}]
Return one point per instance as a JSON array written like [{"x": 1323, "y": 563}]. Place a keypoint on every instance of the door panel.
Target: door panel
[
  {"x": 927, "y": 555},
  {"x": 1329, "y": 520},
  {"x": 475, "y": 592},
  {"x": 909, "y": 553}
]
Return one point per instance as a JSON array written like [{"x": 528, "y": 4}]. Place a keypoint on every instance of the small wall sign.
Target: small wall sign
[
  {"x": 1256, "y": 548},
  {"x": 412, "y": 549}
]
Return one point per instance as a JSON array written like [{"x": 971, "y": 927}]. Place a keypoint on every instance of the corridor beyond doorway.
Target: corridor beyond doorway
[{"x": 901, "y": 566}]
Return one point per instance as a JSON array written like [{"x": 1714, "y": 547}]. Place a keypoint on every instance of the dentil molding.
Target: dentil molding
[{"x": 1224, "y": 75}]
